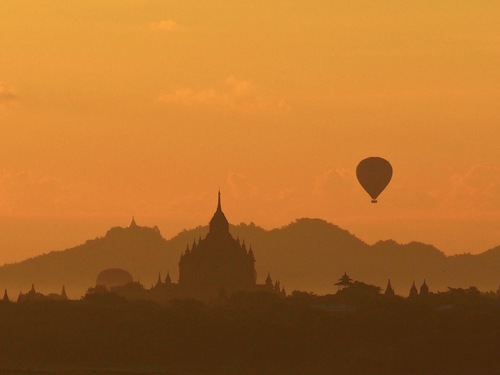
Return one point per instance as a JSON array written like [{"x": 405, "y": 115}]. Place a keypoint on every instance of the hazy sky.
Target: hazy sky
[{"x": 116, "y": 108}]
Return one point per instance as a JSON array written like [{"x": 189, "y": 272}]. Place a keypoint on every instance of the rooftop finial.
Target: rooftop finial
[{"x": 219, "y": 208}]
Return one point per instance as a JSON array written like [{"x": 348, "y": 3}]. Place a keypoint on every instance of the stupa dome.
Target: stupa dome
[{"x": 112, "y": 277}]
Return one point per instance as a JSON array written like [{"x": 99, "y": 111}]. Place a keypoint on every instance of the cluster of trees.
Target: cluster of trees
[{"x": 356, "y": 331}]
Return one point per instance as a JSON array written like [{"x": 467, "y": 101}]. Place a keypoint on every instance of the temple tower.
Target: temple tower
[
  {"x": 389, "y": 291},
  {"x": 216, "y": 261},
  {"x": 424, "y": 289},
  {"x": 413, "y": 291}
]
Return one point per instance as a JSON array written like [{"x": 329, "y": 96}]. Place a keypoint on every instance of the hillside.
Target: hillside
[
  {"x": 135, "y": 249},
  {"x": 307, "y": 254}
]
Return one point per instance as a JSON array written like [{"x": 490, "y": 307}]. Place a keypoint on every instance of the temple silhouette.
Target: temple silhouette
[
  {"x": 33, "y": 295},
  {"x": 212, "y": 267},
  {"x": 217, "y": 262}
]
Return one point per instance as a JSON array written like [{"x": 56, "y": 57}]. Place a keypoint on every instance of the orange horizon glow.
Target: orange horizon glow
[{"x": 121, "y": 108}]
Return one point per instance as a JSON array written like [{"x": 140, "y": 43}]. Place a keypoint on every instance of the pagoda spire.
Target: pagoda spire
[
  {"x": 132, "y": 223},
  {"x": 277, "y": 287},
  {"x": 63, "y": 293},
  {"x": 344, "y": 281},
  {"x": 219, "y": 224},
  {"x": 424, "y": 289},
  {"x": 250, "y": 253},
  {"x": 6, "y": 297},
  {"x": 389, "y": 291},
  {"x": 219, "y": 208},
  {"x": 159, "y": 282},
  {"x": 413, "y": 290},
  {"x": 269, "y": 281}
]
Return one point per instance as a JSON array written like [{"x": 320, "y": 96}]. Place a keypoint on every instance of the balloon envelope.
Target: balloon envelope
[{"x": 374, "y": 174}]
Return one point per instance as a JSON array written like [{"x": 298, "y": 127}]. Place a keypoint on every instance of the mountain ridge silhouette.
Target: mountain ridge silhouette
[{"x": 306, "y": 254}]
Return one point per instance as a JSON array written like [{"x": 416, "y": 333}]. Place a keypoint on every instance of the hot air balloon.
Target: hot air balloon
[{"x": 374, "y": 174}]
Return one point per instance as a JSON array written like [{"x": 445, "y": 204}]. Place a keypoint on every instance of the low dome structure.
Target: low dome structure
[{"x": 113, "y": 277}]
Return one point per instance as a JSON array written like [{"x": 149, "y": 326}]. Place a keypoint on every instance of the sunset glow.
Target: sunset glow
[{"x": 110, "y": 109}]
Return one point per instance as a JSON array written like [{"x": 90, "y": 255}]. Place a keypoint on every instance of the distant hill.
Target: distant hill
[{"x": 307, "y": 254}]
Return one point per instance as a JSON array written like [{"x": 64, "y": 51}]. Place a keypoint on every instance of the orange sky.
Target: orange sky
[{"x": 116, "y": 108}]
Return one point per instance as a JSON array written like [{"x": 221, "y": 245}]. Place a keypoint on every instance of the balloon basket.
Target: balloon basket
[{"x": 374, "y": 201}]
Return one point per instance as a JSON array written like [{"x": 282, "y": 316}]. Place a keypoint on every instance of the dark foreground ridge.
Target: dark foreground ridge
[{"x": 356, "y": 331}]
